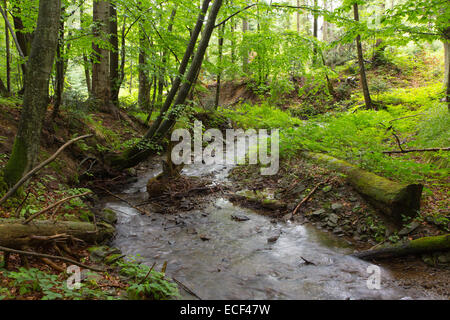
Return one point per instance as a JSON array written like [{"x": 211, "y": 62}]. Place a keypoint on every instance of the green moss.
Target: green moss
[
  {"x": 431, "y": 243},
  {"x": 17, "y": 163}
]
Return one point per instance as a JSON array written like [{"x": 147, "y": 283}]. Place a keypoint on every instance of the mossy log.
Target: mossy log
[
  {"x": 15, "y": 234},
  {"x": 394, "y": 199},
  {"x": 417, "y": 246}
]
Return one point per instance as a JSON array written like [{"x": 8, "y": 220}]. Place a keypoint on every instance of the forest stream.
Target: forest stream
[{"x": 245, "y": 259}]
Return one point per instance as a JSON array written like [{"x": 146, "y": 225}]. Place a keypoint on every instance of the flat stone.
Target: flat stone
[
  {"x": 273, "y": 239},
  {"x": 336, "y": 206},
  {"x": 333, "y": 218},
  {"x": 409, "y": 228},
  {"x": 317, "y": 213},
  {"x": 444, "y": 258},
  {"x": 239, "y": 218}
]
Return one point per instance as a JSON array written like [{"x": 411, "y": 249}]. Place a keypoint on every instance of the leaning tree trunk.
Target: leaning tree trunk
[
  {"x": 393, "y": 199},
  {"x": 15, "y": 234},
  {"x": 137, "y": 154},
  {"x": 417, "y": 246},
  {"x": 362, "y": 70},
  {"x": 101, "y": 89},
  {"x": 27, "y": 142}
]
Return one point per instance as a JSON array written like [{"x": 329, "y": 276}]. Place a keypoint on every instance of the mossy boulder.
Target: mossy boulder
[
  {"x": 100, "y": 253},
  {"x": 108, "y": 215}
]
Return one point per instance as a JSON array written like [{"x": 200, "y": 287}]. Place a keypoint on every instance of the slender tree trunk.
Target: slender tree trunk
[
  {"x": 219, "y": 64},
  {"x": 362, "y": 70},
  {"x": 325, "y": 23},
  {"x": 136, "y": 154},
  {"x": 298, "y": 17},
  {"x": 122, "y": 55},
  {"x": 315, "y": 31},
  {"x": 8, "y": 56},
  {"x": 101, "y": 84},
  {"x": 181, "y": 70},
  {"x": 162, "y": 71},
  {"x": 24, "y": 40},
  {"x": 27, "y": 142},
  {"x": 144, "y": 83},
  {"x": 60, "y": 68},
  {"x": 446, "y": 42},
  {"x": 245, "y": 53},
  {"x": 86, "y": 64},
  {"x": 114, "y": 55}
]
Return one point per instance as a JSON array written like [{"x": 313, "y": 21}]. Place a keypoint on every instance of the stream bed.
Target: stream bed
[{"x": 221, "y": 258}]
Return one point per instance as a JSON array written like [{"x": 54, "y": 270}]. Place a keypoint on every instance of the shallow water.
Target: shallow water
[{"x": 238, "y": 262}]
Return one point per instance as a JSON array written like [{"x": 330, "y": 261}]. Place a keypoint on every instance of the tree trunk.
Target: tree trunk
[
  {"x": 362, "y": 70},
  {"x": 144, "y": 82},
  {"x": 114, "y": 56},
  {"x": 15, "y": 234},
  {"x": 162, "y": 71},
  {"x": 86, "y": 63},
  {"x": 325, "y": 23},
  {"x": 8, "y": 56},
  {"x": 60, "y": 68},
  {"x": 417, "y": 246},
  {"x": 245, "y": 53},
  {"x": 447, "y": 66},
  {"x": 219, "y": 64},
  {"x": 24, "y": 40},
  {"x": 136, "y": 154},
  {"x": 393, "y": 199},
  {"x": 101, "y": 90},
  {"x": 181, "y": 70},
  {"x": 27, "y": 142}
]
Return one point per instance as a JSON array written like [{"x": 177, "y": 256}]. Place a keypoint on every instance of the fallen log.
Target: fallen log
[
  {"x": 15, "y": 234},
  {"x": 417, "y": 246},
  {"x": 394, "y": 199}
]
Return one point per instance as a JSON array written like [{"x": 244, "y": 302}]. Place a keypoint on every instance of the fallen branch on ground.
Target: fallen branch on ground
[
  {"x": 308, "y": 197},
  {"x": 56, "y": 204},
  {"x": 48, "y": 256},
  {"x": 36, "y": 169}
]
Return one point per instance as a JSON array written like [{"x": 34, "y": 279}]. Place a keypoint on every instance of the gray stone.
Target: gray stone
[
  {"x": 333, "y": 218},
  {"x": 336, "y": 206},
  {"x": 444, "y": 258},
  {"x": 109, "y": 215},
  {"x": 317, "y": 213},
  {"x": 409, "y": 228}
]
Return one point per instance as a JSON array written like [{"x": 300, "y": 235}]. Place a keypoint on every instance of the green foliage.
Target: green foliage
[
  {"x": 360, "y": 136},
  {"x": 146, "y": 283},
  {"x": 52, "y": 287},
  {"x": 260, "y": 117}
]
